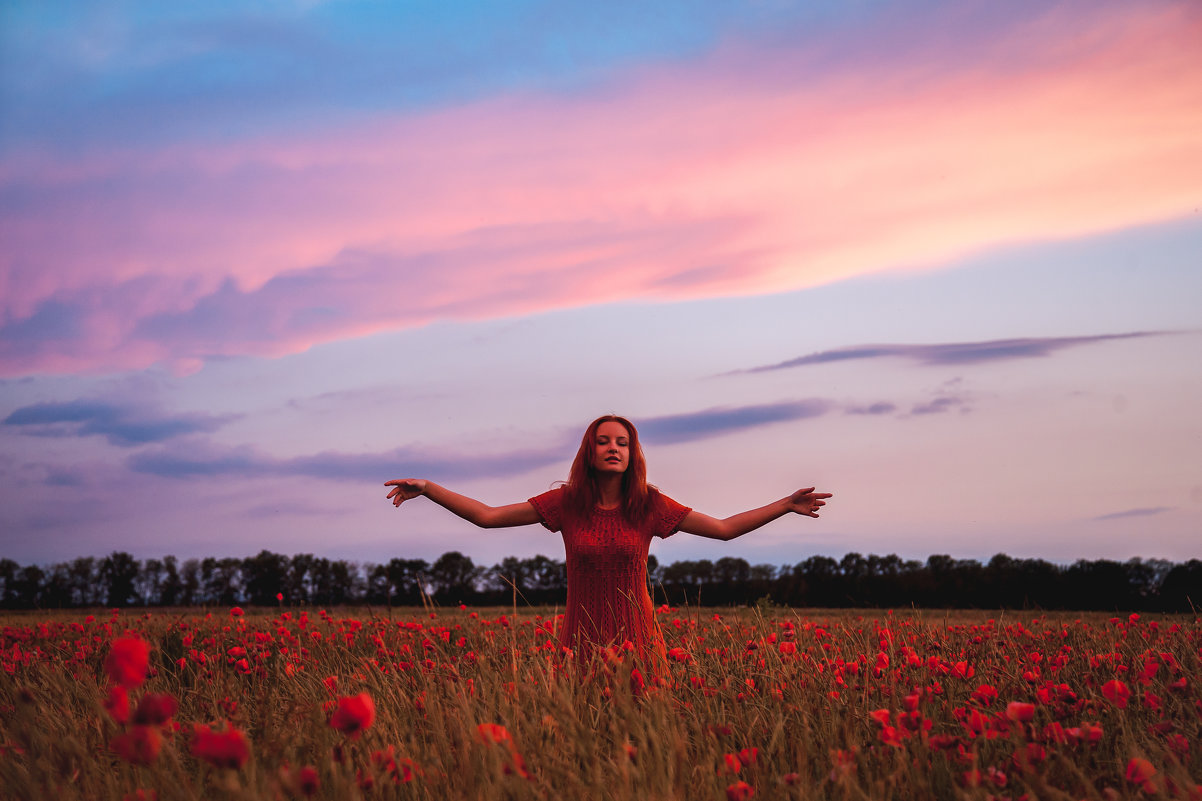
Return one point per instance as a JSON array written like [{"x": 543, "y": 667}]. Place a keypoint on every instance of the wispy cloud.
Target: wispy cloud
[
  {"x": 528, "y": 203},
  {"x": 953, "y": 353},
  {"x": 201, "y": 460},
  {"x": 1140, "y": 512},
  {"x": 713, "y": 422},
  {"x": 122, "y": 425},
  {"x": 248, "y": 462}
]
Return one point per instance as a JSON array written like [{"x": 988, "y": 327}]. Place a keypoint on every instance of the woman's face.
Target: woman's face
[{"x": 611, "y": 448}]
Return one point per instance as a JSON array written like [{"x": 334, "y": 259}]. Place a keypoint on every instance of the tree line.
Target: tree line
[{"x": 268, "y": 579}]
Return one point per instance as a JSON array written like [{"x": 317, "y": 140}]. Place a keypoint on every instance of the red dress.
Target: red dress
[{"x": 607, "y": 572}]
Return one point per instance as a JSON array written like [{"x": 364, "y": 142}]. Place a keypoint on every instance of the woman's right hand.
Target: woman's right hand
[{"x": 405, "y": 488}]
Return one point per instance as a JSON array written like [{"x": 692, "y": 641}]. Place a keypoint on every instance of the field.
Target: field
[{"x": 481, "y": 704}]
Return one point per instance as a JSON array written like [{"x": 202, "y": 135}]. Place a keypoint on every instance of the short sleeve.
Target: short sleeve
[
  {"x": 667, "y": 517},
  {"x": 549, "y": 506}
]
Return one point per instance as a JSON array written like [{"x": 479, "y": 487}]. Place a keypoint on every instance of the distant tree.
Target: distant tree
[
  {"x": 149, "y": 581},
  {"x": 172, "y": 585},
  {"x": 56, "y": 587},
  {"x": 1181, "y": 590},
  {"x": 453, "y": 576},
  {"x": 8, "y": 579},
  {"x": 85, "y": 589},
  {"x": 224, "y": 585},
  {"x": 302, "y": 579},
  {"x": 191, "y": 583},
  {"x": 264, "y": 577},
  {"x": 548, "y": 577},
  {"x": 407, "y": 579},
  {"x": 118, "y": 574},
  {"x": 28, "y": 585},
  {"x": 653, "y": 570},
  {"x": 508, "y": 575}
]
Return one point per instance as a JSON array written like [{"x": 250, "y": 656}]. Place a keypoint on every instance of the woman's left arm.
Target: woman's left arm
[{"x": 803, "y": 502}]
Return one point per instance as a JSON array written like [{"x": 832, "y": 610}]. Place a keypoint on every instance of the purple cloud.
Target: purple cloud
[
  {"x": 953, "y": 353},
  {"x": 123, "y": 426},
  {"x": 1141, "y": 512},
  {"x": 712, "y": 422}
]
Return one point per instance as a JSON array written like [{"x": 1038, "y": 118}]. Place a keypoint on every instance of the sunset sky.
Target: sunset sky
[{"x": 943, "y": 259}]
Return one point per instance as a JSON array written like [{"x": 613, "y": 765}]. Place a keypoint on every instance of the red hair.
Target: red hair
[{"x": 582, "y": 494}]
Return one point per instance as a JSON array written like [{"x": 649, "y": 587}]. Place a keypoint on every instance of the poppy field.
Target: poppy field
[{"x": 484, "y": 704}]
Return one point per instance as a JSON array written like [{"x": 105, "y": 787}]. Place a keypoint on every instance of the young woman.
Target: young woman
[{"x": 608, "y": 513}]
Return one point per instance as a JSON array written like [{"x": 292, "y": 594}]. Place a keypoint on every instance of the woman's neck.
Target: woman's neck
[{"x": 609, "y": 488}]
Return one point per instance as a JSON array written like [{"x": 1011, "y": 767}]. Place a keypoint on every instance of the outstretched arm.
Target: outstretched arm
[
  {"x": 803, "y": 502},
  {"x": 470, "y": 509}
]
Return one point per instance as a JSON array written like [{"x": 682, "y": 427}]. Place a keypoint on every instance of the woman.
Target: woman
[{"x": 608, "y": 514}]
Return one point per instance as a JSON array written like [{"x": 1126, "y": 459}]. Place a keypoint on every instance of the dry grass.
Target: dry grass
[{"x": 815, "y": 717}]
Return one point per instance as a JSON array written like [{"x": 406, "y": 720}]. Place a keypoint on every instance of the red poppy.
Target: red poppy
[
  {"x": 155, "y": 709},
  {"x": 739, "y": 791},
  {"x": 963, "y": 670},
  {"x": 138, "y": 746},
  {"x": 492, "y": 733},
  {"x": 117, "y": 704},
  {"x": 1116, "y": 692},
  {"x": 1140, "y": 771},
  {"x": 128, "y": 662},
  {"x": 307, "y": 780},
  {"x": 223, "y": 749},
  {"x": 236, "y": 612},
  {"x": 1020, "y": 712},
  {"x": 495, "y": 733},
  {"x": 354, "y": 714}
]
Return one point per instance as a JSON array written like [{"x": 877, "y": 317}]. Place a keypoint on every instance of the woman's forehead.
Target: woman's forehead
[{"x": 612, "y": 428}]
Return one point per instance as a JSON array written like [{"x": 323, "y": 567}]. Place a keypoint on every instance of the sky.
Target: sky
[{"x": 941, "y": 259}]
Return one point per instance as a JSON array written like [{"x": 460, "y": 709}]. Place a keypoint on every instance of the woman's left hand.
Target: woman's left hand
[{"x": 807, "y": 502}]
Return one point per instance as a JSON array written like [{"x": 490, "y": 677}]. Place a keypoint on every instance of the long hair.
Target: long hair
[{"x": 582, "y": 493}]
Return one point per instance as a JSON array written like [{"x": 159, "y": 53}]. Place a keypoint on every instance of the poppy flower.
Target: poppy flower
[
  {"x": 495, "y": 733},
  {"x": 492, "y": 733},
  {"x": 138, "y": 746},
  {"x": 128, "y": 662},
  {"x": 223, "y": 749},
  {"x": 117, "y": 704},
  {"x": 307, "y": 779},
  {"x": 739, "y": 791},
  {"x": 1140, "y": 771},
  {"x": 1116, "y": 692},
  {"x": 1020, "y": 712},
  {"x": 354, "y": 714}
]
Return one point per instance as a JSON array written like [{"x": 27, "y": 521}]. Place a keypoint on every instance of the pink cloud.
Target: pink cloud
[{"x": 748, "y": 173}]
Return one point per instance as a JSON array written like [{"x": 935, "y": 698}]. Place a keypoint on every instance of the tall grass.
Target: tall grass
[{"x": 773, "y": 703}]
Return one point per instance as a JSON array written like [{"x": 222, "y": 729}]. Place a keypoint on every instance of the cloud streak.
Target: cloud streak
[
  {"x": 707, "y": 423},
  {"x": 123, "y": 426},
  {"x": 748, "y": 171},
  {"x": 950, "y": 354},
  {"x": 1141, "y": 512},
  {"x": 201, "y": 460}
]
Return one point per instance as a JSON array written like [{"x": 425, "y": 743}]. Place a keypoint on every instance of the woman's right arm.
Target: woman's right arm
[{"x": 470, "y": 509}]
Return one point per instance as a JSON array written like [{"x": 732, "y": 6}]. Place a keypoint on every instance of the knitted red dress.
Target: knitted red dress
[{"x": 607, "y": 572}]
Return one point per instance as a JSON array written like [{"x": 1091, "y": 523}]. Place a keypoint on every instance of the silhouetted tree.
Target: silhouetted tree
[
  {"x": 264, "y": 577},
  {"x": 118, "y": 574},
  {"x": 191, "y": 582},
  {"x": 453, "y": 577},
  {"x": 85, "y": 581},
  {"x": 171, "y": 586}
]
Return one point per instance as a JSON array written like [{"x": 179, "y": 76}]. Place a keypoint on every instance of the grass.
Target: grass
[{"x": 770, "y": 702}]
